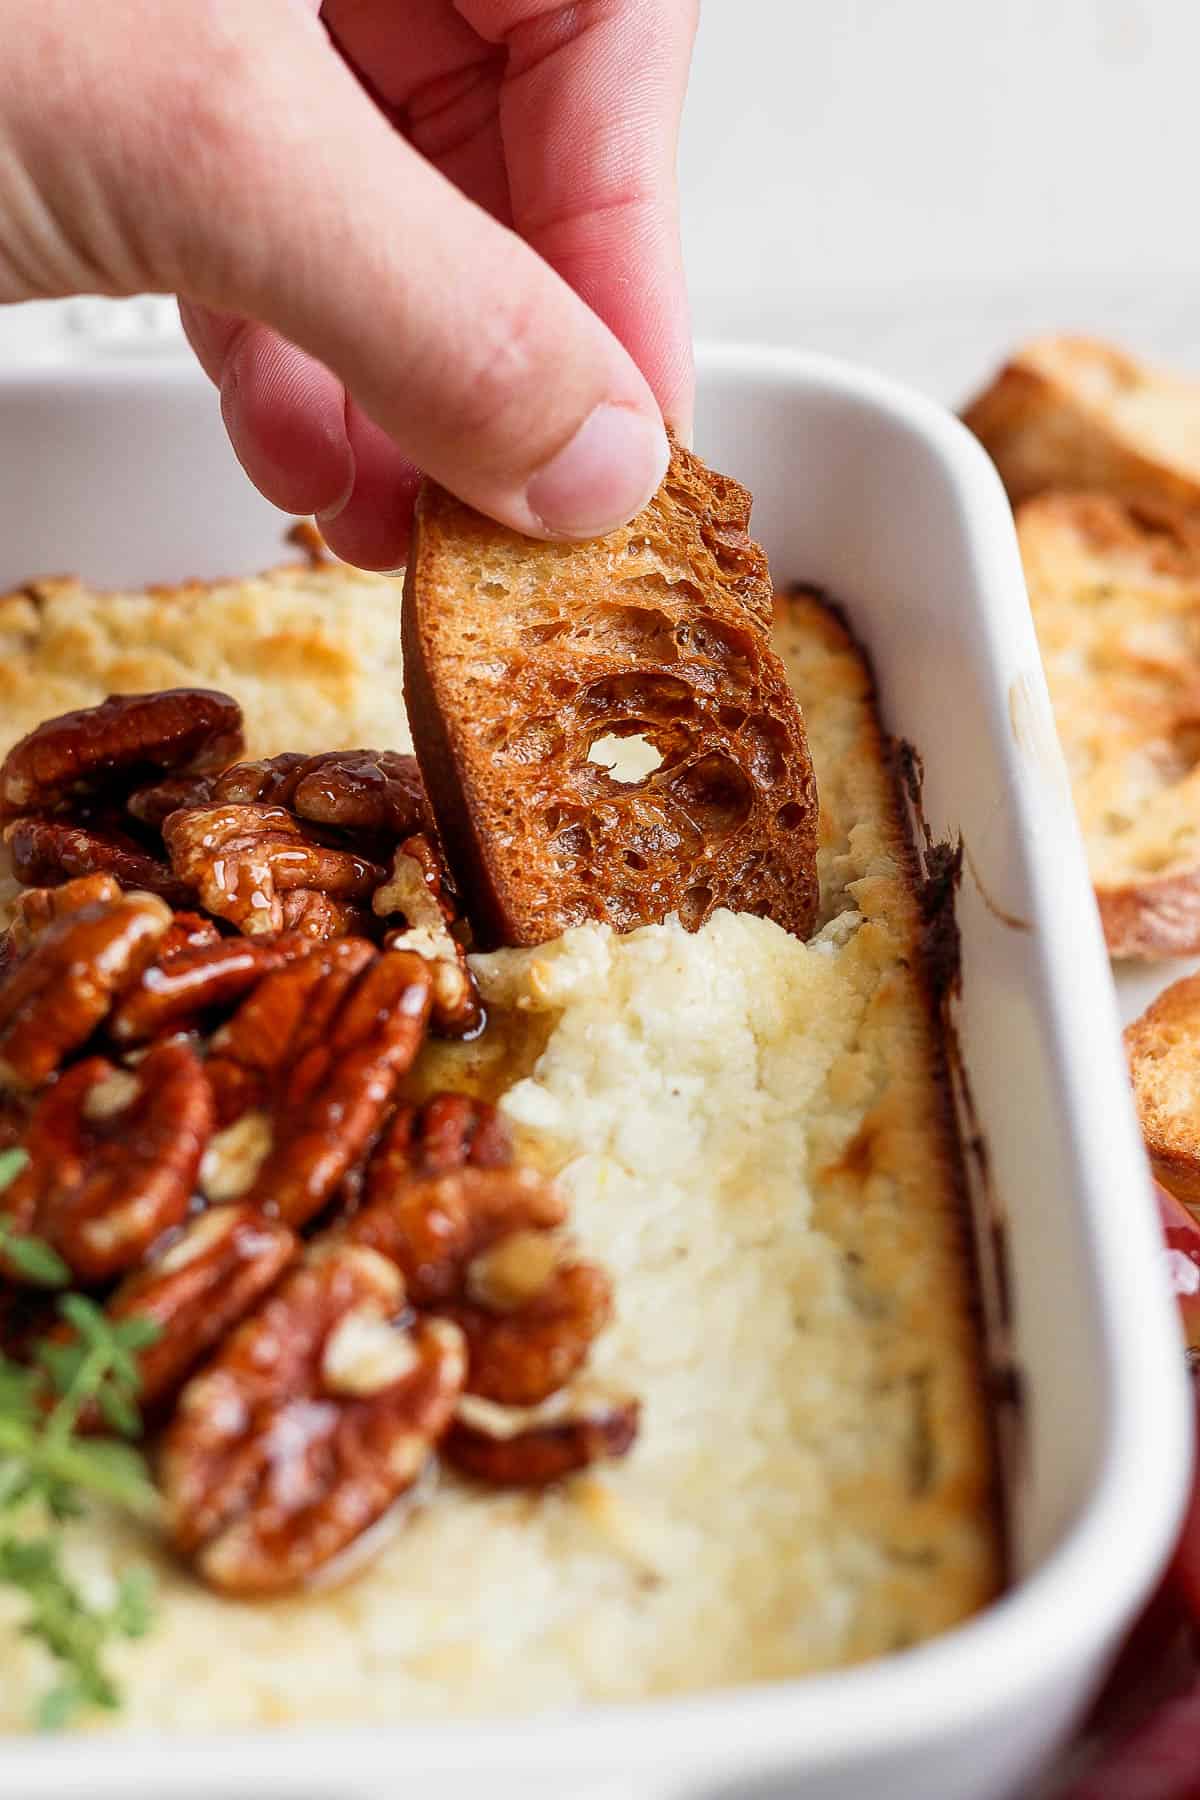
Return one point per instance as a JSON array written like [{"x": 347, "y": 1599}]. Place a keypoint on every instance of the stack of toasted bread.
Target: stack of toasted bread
[{"x": 1100, "y": 456}]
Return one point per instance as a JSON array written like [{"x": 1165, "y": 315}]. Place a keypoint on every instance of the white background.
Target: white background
[{"x": 915, "y": 183}]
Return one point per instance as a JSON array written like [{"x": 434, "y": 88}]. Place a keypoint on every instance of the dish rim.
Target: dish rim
[{"x": 1048, "y": 1622}]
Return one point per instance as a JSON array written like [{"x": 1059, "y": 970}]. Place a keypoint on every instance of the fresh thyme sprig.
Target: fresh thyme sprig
[{"x": 48, "y": 1468}]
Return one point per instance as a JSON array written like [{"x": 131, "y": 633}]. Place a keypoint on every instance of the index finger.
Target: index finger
[{"x": 589, "y": 113}]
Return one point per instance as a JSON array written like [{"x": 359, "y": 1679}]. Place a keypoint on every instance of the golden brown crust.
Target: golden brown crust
[
  {"x": 1163, "y": 1048},
  {"x": 525, "y": 664},
  {"x": 1076, "y": 412},
  {"x": 891, "y": 1194},
  {"x": 1115, "y": 590}
]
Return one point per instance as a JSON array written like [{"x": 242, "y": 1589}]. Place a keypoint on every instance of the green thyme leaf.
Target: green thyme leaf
[
  {"x": 32, "y": 1259},
  {"x": 11, "y": 1164}
]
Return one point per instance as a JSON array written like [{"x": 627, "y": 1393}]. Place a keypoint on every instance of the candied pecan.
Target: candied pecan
[
  {"x": 317, "y": 1414},
  {"x": 378, "y": 792},
  {"x": 186, "y": 730},
  {"x": 434, "y": 1226},
  {"x": 476, "y": 1243},
  {"x": 198, "y": 1288},
  {"x": 186, "y": 983},
  {"x": 281, "y": 1019},
  {"x": 319, "y": 917},
  {"x": 188, "y": 931},
  {"x": 113, "y": 1155},
  {"x": 235, "y": 1154},
  {"x": 36, "y": 908},
  {"x": 538, "y": 1453},
  {"x": 522, "y": 1352},
  {"x": 153, "y": 804},
  {"x": 420, "y": 888},
  {"x": 242, "y": 859},
  {"x": 267, "y": 780},
  {"x": 48, "y": 851},
  {"x": 447, "y": 1132},
  {"x": 54, "y": 997},
  {"x": 338, "y": 1088}
]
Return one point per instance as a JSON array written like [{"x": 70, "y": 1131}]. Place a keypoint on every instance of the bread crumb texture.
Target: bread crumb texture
[{"x": 755, "y": 1140}]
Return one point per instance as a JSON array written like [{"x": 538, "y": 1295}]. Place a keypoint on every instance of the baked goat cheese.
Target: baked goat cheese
[{"x": 755, "y": 1138}]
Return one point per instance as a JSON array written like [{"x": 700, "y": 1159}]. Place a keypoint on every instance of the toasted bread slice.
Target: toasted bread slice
[
  {"x": 1163, "y": 1047},
  {"x": 604, "y": 729},
  {"x": 1074, "y": 412},
  {"x": 1115, "y": 590}
]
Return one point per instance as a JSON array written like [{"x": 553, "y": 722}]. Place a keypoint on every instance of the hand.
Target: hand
[{"x": 407, "y": 234}]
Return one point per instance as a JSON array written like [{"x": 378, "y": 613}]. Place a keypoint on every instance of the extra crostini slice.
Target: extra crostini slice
[
  {"x": 1163, "y": 1048},
  {"x": 1115, "y": 591},
  {"x": 1076, "y": 412},
  {"x": 604, "y": 729}
]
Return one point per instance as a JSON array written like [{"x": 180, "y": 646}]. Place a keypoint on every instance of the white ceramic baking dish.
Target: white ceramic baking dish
[{"x": 882, "y": 498}]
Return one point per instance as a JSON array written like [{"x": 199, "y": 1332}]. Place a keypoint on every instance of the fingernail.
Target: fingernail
[
  {"x": 336, "y": 508},
  {"x": 605, "y": 474}
]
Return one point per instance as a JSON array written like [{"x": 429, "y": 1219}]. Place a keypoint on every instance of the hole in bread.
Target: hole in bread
[
  {"x": 573, "y": 844},
  {"x": 628, "y": 758},
  {"x": 694, "y": 907},
  {"x": 642, "y": 694},
  {"x": 724, "y": 645},
  {"x": 790, "y": 817},
  {"x": 714, "y": 792},
  {"x": 765, "y": 741},
  {"x": 545, "y": 631},
  {"x": 730, "y": 550},
  {"x": 636, "y": 630},
  {"x": 493, "y": 590}
]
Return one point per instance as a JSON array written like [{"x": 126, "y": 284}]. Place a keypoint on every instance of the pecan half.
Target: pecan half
[
  {"x": 268, "y": 780},
  {"x": 54, "y": 997},
  {"x": 48, "y": 851},
  {"x": 196, "y": 980},
  {"x": 198, "y": 1288},
  {"x": 188, "y": 931},
  {"x": 37, "y": 908},
  {"x": 338, "y": 1088},
  {"x": 524, "y": 1348},
  {"x": 153, "y": 805},
  {"x": 319, "y": 917},
  {"x": 476, "y": 1244},
  {"x": 431, "y": 1210},
  {"x": 113, "y": 1155},
  {"x": 242, "y": 859},
  {"x": 378, "y": 792},
  {"x": 315, "y": 1416},
  {"x": 449, "y": 1131},
  {"x": 534, "y": 1453},
  {"x": 285, "y": 1015},
  {"x": 181, "y": 729},
  {"x": 419, "y": 887}
]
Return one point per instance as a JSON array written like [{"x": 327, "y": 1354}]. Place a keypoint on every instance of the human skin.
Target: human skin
[{"x": 406, "y": 235}]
